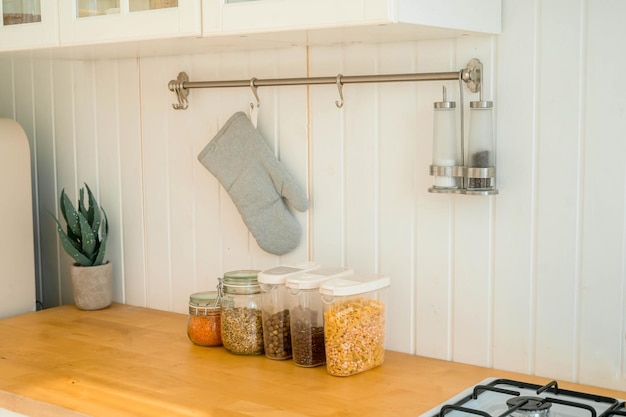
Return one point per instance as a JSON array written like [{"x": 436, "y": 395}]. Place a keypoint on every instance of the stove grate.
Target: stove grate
[{"x": 592, "y": 405}]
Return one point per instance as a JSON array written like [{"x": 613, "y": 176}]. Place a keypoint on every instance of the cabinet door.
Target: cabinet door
[
  {"x": 346, "y": 21},
  {"x": 102, "y": 21},
  {"x": 28, "y": 24},
  {"x": 242, "y": 16}
]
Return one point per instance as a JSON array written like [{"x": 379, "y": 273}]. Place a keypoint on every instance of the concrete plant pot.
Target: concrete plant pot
[{"x": 92, "y": 286}]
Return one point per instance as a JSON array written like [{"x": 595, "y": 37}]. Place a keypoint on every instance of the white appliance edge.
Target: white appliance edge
[{"x": 17, "y": 253}]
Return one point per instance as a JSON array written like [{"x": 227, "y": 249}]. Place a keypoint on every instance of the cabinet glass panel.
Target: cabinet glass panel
[
  {"x": 88, "y": 8},
  {"x": 15, "y": 12},
  {"x": 142, "y": 5}
]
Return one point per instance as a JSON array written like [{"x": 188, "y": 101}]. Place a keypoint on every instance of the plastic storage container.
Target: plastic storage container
[
  {"x": 242, "y": 329},
  {"x": 204, "y": 322},
  {"x": 307, "y": 314},
  {"x": 275, "y": 302},
  {"x": 354, "y": 322}
]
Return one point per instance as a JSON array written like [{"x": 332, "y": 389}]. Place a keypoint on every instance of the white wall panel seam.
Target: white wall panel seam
[
  {"x": 94, "y": 109},
  {"x": 144, "y": 255},
  {"x": 122, "y": 278},
  {"x": 309, "y": 216},
  {"x": 168, "y": 223},
  {"x": 623, "y": 298},
  {"x": 74, "y": 154},
  {"x": 451, "y": 286},
  {"x": 413, "y": 258},
  {"x": 580, "y": 194},
  {"x": 343, "y": 173},
  {"x": 492, "y": 224},
  {"x": 35, "y": 185},
  {"x": 56, "y": 181},
  {"x": 532, "y": 339},
  {"x": 377, "y": 167},
  {"x": 55, "y": 175}
]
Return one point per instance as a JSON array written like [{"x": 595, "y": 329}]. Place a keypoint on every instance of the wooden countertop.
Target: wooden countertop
[{"x": 133, "y": 361}]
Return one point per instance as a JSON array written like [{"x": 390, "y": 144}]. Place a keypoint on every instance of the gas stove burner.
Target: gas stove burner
[{"x": 530, "y": 406}]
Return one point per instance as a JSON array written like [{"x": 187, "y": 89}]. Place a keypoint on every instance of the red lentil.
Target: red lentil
[
  {"x": 205, "y": 330},
  {"x": 204, "y": 327}
]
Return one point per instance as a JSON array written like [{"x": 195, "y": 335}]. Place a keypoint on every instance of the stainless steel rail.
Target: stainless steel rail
[{"x": 471, "y": 75}]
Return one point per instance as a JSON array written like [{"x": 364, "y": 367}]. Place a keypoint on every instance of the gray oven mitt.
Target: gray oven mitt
[{"x": 257, "y": 182}]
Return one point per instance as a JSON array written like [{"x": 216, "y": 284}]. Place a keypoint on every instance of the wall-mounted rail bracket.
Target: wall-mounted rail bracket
[
  {"x": 472, "y": 75},
  {"x": 178, "y": 87}
]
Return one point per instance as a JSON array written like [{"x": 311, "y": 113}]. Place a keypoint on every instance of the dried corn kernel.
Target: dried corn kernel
[{"x": 355, "y": 336}]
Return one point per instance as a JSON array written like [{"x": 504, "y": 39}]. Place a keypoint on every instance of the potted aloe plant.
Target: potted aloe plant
[{"x": 85, "y": 240}]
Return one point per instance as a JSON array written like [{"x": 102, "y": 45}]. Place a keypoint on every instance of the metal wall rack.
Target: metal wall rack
[{"x": 471, "y": 75}]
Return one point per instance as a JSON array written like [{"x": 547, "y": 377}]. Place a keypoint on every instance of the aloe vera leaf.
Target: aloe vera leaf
[
  {"x": 88, "y": 238},
  {"x": 103, "y": 242},
  {"x": 62, "y": 205},
  {"x": 94, "y": 217},
  {"x": 81, "y": 202},
  {"x": 69, "y": 247},
  {"x": 70, "y": 214}
]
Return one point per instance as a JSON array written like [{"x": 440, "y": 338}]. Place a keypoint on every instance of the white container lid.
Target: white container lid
[
  {"x": 312, "y": 279},
  {"x": 355, "y": 284},
  {"x": 279, "y": 274}
]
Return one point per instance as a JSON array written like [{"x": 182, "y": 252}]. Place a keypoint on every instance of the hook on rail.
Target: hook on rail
[
  {"x": 178, "y": 87},
  {"x": 339, "y": 103},
  {"x": 253, "y": 87}
]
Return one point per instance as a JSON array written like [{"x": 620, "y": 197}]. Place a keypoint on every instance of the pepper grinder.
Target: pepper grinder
[
  {"x": 481, "y": 159},
  {"x": 446, "y": 153}
]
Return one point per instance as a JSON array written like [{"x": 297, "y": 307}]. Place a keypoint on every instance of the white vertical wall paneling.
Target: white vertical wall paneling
[
  {"x": 236, "y": 240},
  {"x": 156, "y": 175},
  {"x": 434, "y": 224},
  {"x": 603, "y": 251},
  {"x": 327, "y": 171},
  {"x": 472, "y": 245},
  {"x": 259, "y": 64},
  {"x": 24, "y": 105},
  {"x": 6, "y": 88},
  {"x": 398, "y": 141},
  {"x": 86, "y": 139},
  {"x": 106, "y": 86},
  {"x": 557, "y": 238},
  {"x": 262, "y": 64},
  {"x": 513, "y": 302},
  {"x": 204, "y": 115},
  {"x": 291, "y": 127},
  {"x": 132, "y": 219},
  {"x": 181, "y": 186},
  {"x": 361, "y": 159},
  {"x": 46, "y": 197},
  {"x": 57, "y": 284}
]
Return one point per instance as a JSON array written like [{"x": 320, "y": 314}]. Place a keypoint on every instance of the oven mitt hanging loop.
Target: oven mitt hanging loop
[{"x": 257, "y": 183}]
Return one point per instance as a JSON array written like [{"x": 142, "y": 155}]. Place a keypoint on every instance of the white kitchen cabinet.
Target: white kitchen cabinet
[
  {"x": 104, "y": 21},
  {"x": 125, "y": 28},
  {"x": 332, "y": 21},
  {"x": 28, "y": 24}
]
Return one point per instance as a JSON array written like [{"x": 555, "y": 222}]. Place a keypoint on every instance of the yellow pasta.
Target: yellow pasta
[{"x": 355, "y": 336}]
